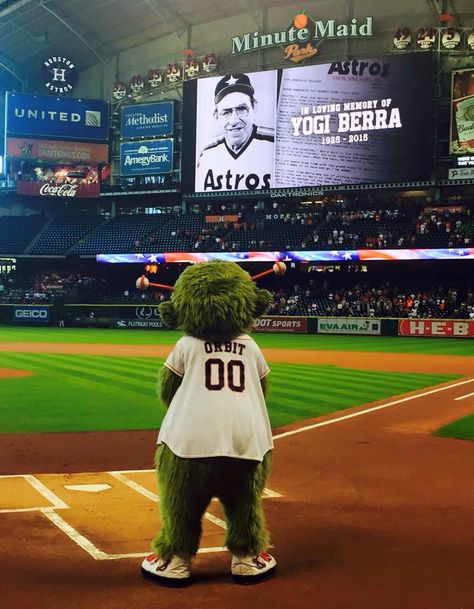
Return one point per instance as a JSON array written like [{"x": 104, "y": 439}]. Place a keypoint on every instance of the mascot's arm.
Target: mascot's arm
[
  {"x": 264, "y": 384},
  {"x": 168, "y": 386}
]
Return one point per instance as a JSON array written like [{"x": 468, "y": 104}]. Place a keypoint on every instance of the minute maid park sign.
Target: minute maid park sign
[{"x": 301, "y": 39}]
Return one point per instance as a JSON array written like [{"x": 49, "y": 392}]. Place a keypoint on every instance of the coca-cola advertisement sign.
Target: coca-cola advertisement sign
[
  {"x": 45, "y": 189},
  {"x": 72, "y": 181}
]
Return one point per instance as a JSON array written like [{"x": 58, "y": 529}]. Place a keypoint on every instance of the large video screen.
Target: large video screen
[{"x": 342, "y": 123}]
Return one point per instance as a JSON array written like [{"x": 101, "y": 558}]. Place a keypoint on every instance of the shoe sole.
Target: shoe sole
[
  {"x": 247, "y": 580},
  {"x": 169, "y": 582}
]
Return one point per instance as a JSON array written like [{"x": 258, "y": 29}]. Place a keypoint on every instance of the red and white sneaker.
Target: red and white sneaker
[
  {"x": 175, "y": 572},
  {"x": 253, "y": 569}
]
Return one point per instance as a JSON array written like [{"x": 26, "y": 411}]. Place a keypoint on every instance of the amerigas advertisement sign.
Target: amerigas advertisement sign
[
  {"x": 349, "y": 325},
  {"x": 148, "y": 157},
  {"x": 63, "y": 117},
  {"x": 147, "y": 120}
]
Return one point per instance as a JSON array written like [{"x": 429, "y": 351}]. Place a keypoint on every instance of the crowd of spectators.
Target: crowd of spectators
[
  {"x": 309, "y": 297},
  {"x": 346, "y": 225},
  {"x": 366, "y": 300}
]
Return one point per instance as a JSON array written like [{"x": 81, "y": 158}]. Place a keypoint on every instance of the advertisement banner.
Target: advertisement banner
[
  {"x": 61, "y": 117},
  {"x": 349, "y": 325},
  {"x": 48, "y": 189},
  {"x": 292, "y": 325},
  {"x": 454, "y": 328},
  {"x": 56, "y": 150},
  {"x": 147, "y": 120},
  {"x": 147, "y": 157},
  {"x": 215, "y": 219},
  {"x": 155, "y": 324},
  {"x": 341, "y": 123},
  {"x": 29, "y": 314},
  {"x": 461, "y": 173},
  {"x": 461, "y": 140}
]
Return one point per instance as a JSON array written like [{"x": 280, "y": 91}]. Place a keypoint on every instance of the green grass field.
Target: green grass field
[
  {"x": 69, "y": 392},
  {"x": 387, "y": 344},
  {"x": 463, "y": 429}
]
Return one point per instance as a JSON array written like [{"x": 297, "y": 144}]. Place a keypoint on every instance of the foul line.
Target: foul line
[
  {"x": 463, "y": 397},
  {"x": 369, "y": 410},
  {"x": 98, "y": 554}
]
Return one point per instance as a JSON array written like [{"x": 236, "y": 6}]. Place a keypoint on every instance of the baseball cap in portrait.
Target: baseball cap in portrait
[{"x": 232, "y": 83}]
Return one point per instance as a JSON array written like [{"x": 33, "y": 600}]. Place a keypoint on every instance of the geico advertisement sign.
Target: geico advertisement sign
[
  {"x": 32, "y": 315},
  {"x": 281, "y": 324},
  {"x": 436, "y": 327},
  {"x": 348, "y": 325}
]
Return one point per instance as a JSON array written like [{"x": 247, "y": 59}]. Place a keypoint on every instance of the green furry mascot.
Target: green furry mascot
[{"x": 215, "y": 440}]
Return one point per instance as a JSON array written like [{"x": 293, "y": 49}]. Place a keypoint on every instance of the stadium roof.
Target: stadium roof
[{"x": 94, "y": 31}]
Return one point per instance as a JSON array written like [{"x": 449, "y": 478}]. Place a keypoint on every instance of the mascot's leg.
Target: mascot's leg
[
  {"x": 240, "y": 492},
  {"x": 184, "y": 496}
]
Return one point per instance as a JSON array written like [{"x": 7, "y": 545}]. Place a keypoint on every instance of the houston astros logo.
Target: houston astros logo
[{"x": 60, "y": 74}]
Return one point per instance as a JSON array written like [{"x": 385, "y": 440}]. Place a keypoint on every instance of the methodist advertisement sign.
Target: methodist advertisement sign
[
  {"x": 55, "y": 150},
  {"x": 349, "y": 325},
  {"x": 56, "y": 117},
  {"x": 341, "y": 123},
  {"x": 461, "y": 140},
  {"x": 147, "y": 120},
  {"x": 146, "y": 157}
]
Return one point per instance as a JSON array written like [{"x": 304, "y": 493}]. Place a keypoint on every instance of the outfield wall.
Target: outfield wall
[{"x": 147, "y": 317}]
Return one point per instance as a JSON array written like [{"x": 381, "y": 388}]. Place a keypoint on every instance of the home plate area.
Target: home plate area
[{"x": 110, "y": 515}]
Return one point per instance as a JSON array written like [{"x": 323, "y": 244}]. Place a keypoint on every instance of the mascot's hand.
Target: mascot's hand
[
  {"x": 168, "y": 314},
  {"x": 168, "y": 385},
  {"x": 264, "y": 298}
]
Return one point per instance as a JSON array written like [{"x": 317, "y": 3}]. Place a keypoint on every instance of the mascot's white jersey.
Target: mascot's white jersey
[
  {"x": 219, "y": 408},
  {"x": 251, "y": 168}
]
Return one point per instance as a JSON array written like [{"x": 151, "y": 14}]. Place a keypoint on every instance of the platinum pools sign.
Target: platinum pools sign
[{"x": 349, "y": 325}]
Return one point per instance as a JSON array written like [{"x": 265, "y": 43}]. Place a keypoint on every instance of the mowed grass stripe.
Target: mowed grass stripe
[
  {"x": 85, "y": 370},
  {"x": 128, "y": 366},
  {"x": 80, "y": 393},
  {"x": 54, "y": 400},
  {"x": 385, "y": 344},
  {"x": 60, "y": 372},
  {"x": 327, "y": 369},
  {"x": 306, "y": 375}
]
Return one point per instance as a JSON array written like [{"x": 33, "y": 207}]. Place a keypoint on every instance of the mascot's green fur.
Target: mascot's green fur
[{"x": 215, "y": 305}]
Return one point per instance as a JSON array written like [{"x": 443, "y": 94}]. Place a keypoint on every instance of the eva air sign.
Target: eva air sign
[{"x": 303, "y": 36}]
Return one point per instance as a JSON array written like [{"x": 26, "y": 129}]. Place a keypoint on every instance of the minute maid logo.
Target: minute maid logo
[{"x": 303, "y": 37}]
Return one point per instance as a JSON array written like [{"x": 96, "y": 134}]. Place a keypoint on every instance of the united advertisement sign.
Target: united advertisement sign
[
  {"x": 147, "y": 157},
  {"x": 149, "y": 120},
  {"x": 56, "y": 117}
]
